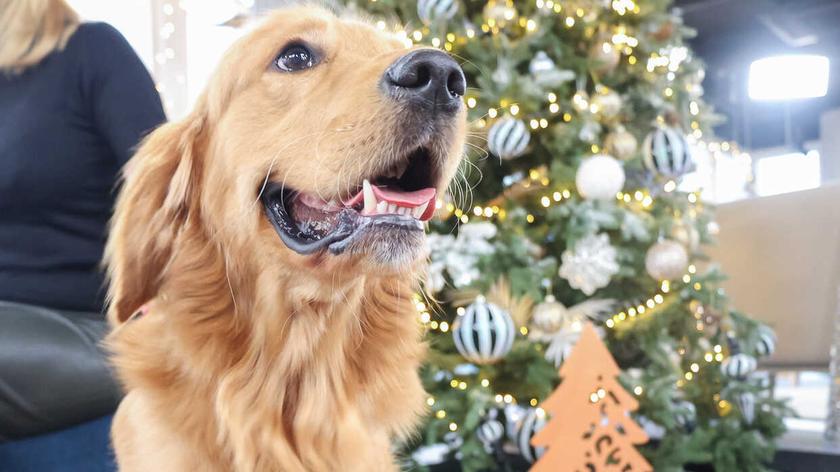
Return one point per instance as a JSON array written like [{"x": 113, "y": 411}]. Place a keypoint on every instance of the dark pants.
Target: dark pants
[{"x": 53, "y": 372}]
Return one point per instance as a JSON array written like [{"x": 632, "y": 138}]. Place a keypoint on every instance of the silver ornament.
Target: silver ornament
[
  {"x": 508, "y": 138},
  {"x": 666, "y": 260},
  {"x": 685, "y": 414},
  {"x": 738, "y": 366},
  {"x": 434, "y": 11},
  {"x": 621, "y": 144},
  {"x": 746, "y": 403},
  {"x": 490, "y": 432},
  {"x": 484, "y": 333},
  {"x": 532, "y": 423},
  {"x": 666, "y": 153},
  {"x": 549, "y": 315},
  {"x": 766, "y": 344},
  {"x": 590, "y": 264},
  {"x": 600, "y": 177},
  {"x": 606, "y": 102},
  {"x": 545, "y": 71}
]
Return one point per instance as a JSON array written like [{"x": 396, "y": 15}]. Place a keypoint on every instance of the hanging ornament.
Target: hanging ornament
[
  {"x": 666, "y": 153},
  {"x": 580, "y": 100},
  {"x": 621, "y": 143},
  {"x": 686, "y": 234},
  {"x": 605, "y": 56},
  {"x": 484, "y": 333},
  {"x": 545, "y": 71},
  {"x": 560, "y": 327},
  {"x": 533, "y": 421},
  {"x": 549, "y": 315},
  {"x": 738, "y": 366},
  {"x": 666, "y": 260},
  {"x": 600, "y": 177},
  {"x": 590, "y": 264},
  {"x": 503, "y": 75},
  {"x": 685, "y": 415},
  {"x": 499, "y": 12},
  {"x": 435, "y": 11},
  {"x": 766, "y": 344},
  {"x": 606, "y": 102},
  {"x": 489, "y": 433},
  {"x": 746, "y": 403},
  {"x": 508, "y": 138}
]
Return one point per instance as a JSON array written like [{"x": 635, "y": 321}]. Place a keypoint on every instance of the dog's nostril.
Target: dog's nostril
[{"x": 456, "y": 84}]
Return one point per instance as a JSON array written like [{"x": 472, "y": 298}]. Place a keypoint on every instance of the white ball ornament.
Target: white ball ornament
[
  {"x": 434, "y": 11},
  {"x": 600, "y": 177},
  {"x": 621, "y": 144},
  {"x": 508, "y": 138},
  {"x": 484, "y": 333},
  {"x": 666, "y": 260},
  {"x": 686, "y": 234},
  {"x": 666, "y": 153}
]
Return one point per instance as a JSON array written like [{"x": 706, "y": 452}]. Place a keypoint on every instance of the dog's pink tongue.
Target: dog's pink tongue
[{"x": 409, "y": 199}]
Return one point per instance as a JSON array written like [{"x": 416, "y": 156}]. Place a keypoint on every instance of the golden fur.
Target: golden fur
[
  {"x": 31, "y": 29},
  {"x": 253, "y": 357}
]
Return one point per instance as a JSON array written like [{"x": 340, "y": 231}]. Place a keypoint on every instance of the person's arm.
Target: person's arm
[{"x": 124, "y": 101}]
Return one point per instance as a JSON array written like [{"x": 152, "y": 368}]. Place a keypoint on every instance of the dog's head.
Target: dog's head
[{"x": 320, "y": 143}]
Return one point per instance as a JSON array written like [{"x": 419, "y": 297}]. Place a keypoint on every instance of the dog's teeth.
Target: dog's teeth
[
  {"x": 419, "y": 210},
  {"x": 370, "y": 198},
  {"x": 382, "y": 207},
  {"x": 392, "y": 208},
  {"x": 405, "y": 211}
]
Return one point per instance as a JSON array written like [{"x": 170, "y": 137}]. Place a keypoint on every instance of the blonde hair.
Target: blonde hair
[{"x": 32, "y": 29}]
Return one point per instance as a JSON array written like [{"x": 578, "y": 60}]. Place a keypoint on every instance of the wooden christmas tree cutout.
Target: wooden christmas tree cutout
[{"x": 591, "y": 429}]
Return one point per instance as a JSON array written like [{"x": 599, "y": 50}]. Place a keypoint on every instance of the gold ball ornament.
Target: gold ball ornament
[
  {"x": 499, "y": 12},
  {"x": 549, "y": 316},
  {"x": 621, "y": 144},
  {"x": 605, "y": 56},
  {"x": 686, "y": 234},
  {"x": 606, "y": 102},
  {"x": 666, "y": 260}
]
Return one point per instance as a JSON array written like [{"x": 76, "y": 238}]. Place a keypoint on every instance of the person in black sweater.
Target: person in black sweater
[{"x": 75, "y": 101}]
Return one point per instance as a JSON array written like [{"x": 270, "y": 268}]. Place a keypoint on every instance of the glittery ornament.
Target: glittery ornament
[
  {"x": 590, "y": 264},
  {"x": 666, "y": 260},
  {"x": 621, "y": 143},
  {"x": 600, "y": 177}
]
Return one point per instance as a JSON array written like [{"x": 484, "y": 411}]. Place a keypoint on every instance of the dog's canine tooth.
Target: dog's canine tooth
[
  {"x": 382, "y": 207},
  {"x": 370, "y": 198}
]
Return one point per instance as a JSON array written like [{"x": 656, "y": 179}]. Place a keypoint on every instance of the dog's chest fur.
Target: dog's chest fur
[{"x": 312, "y": 386}]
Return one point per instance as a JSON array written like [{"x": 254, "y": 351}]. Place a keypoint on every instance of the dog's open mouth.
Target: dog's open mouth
[{"x": 391, "y": 204}]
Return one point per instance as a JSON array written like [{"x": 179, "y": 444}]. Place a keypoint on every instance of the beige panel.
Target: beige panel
[{"x": 782, "y": 254}]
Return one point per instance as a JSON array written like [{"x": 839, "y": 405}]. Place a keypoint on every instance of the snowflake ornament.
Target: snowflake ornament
[{"x": 591, "y": 264}]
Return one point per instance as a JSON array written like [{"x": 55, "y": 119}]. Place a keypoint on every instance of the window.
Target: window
[{"x": 787, "y": 173}]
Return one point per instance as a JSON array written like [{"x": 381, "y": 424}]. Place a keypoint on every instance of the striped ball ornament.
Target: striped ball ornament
[
  {"x": 490, "y": 432},
  {"x": 433, "y": 11},
  {"x": 508, "y": 138},
  {"x": 484, "y": 333},
  {"x": 766, "y": 344},
  {"x": 666, "y": 153},
  {"x": 738, "y": 366},
  {"x": 533, "y": 422},
  {"x": 686, "y": 414},
  {"x": 746, "y": 403}
]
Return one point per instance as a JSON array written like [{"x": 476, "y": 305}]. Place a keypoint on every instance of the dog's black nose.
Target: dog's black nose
[{"x": 427, "y": 78}]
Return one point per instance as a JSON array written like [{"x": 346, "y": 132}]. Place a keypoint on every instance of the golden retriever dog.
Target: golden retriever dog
[{"x": 265, "y": 249}]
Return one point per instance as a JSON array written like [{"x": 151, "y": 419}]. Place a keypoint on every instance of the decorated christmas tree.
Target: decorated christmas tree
[{"x": 571, "y": 207}]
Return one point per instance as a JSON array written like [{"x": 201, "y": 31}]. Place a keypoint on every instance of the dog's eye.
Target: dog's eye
[{"x": 294, "y": 58}]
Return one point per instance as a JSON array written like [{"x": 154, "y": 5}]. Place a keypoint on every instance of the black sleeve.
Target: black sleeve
[{"x": 123, "y": 98}]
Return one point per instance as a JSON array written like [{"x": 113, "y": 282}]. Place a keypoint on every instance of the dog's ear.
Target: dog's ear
[{"x": 158, "y": 194}]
